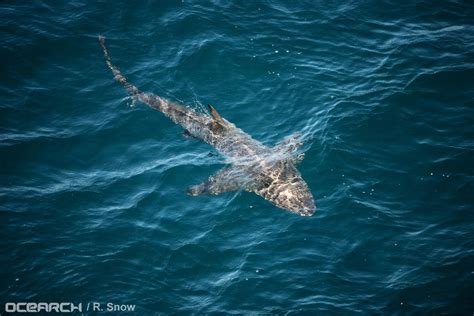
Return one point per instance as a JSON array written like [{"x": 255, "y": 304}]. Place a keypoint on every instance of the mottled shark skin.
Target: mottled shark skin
[{"x": 267, "y": 171}]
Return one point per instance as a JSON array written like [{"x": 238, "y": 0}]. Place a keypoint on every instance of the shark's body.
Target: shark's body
[{"x": 254, "y": 167}]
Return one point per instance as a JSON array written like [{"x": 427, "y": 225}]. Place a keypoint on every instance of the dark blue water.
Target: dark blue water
[{"x": 92, "y": 189}]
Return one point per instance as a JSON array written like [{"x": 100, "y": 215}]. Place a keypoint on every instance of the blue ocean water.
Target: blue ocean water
[{"x": 92, "y": 185}]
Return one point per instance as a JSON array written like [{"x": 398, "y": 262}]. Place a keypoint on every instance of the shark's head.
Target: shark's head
[
  {"x": 296, "y": 197},
  {"x": 283, "y": 186}
]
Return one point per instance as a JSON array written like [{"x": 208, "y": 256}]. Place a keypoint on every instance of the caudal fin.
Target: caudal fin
[{"x": 131, "y": 89}]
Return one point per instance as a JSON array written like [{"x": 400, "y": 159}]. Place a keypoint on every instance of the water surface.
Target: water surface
[{"x": 92, "y": 202}]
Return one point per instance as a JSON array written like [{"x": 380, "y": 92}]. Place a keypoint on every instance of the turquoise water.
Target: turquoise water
[{"x": 92, "y": 193}]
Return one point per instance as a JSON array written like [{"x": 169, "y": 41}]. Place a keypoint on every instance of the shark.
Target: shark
[{"x": 269, "y": 172}]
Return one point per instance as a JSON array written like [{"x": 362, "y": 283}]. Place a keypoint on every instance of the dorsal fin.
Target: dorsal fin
[{"x": 216, "y": 116}]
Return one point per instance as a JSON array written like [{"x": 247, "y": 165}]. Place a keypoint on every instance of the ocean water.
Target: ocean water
[{"x": 92, "y": 185}]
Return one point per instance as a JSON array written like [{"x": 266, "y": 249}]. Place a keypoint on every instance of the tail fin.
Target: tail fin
[{"x": 131, "y": 89}]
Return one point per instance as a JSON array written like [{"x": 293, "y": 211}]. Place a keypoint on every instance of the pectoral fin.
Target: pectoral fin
[
  {"x": 225, "y": 180},
  {"x": 289, "y": 146}
]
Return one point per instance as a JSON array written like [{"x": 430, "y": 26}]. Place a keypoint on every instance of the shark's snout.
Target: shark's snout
[
  {"x": 307, "y": 210},
  {"x": 303, "y": 206},
  {"x": 296, "y": 198}
]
